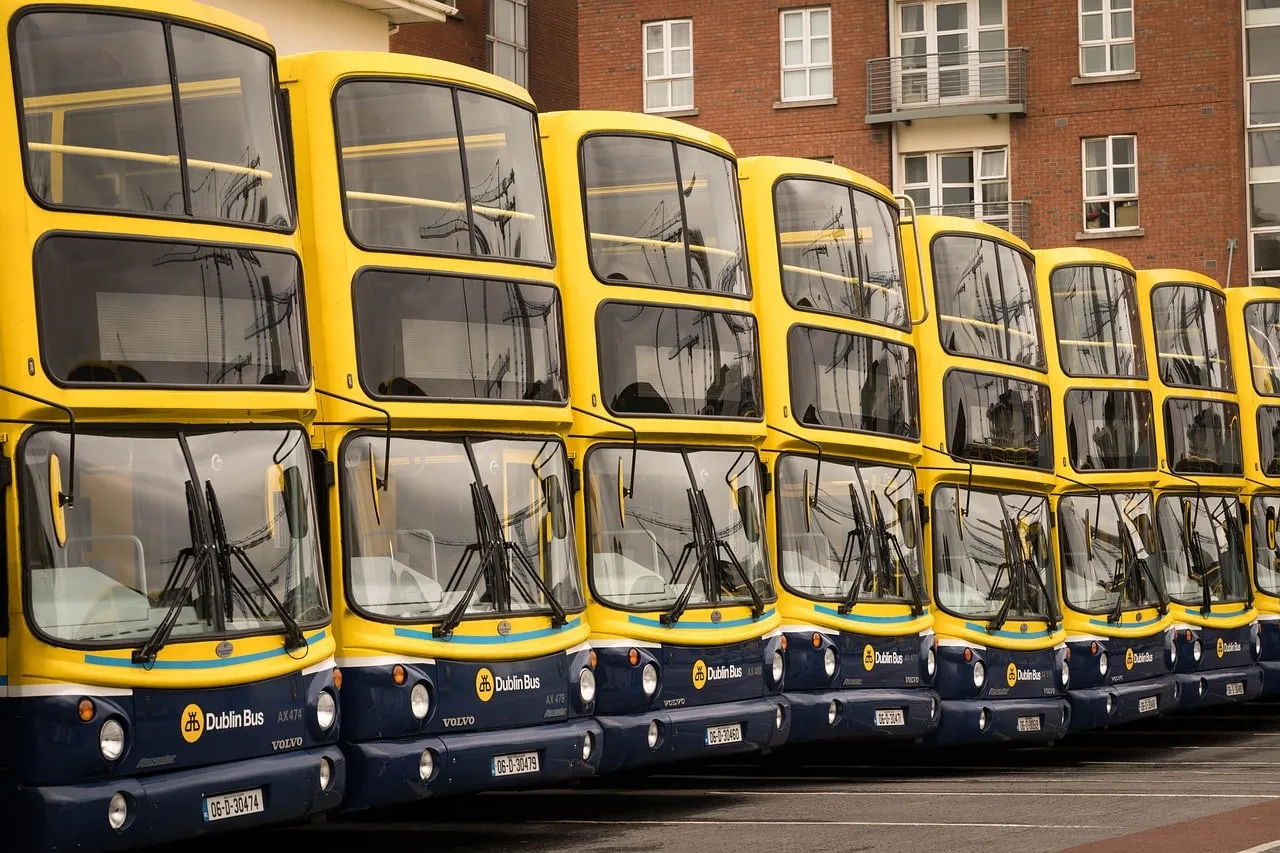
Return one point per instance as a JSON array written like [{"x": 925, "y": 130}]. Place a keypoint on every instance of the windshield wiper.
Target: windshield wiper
[
  {"x": 1020, "y": 567},
  {"x": 193, "y": 564},
  {"x": 226, "y": 550},
  {"x": 886, "y": 542},
  {"x": 1191, "y": 547},
  {"x": 1124, "y": 580},
  {"x": 860, "y": 530},
  {"x": 1236, "y": 536},
  {"x": 493, "y": 550}
]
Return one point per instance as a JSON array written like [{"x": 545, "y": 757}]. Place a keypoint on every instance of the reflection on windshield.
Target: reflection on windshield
[
  {"x": 1262, "y": 323},
  {"x": 1110, "y": 430},
  {"x": 1104, "y": 541},
  {"x": 102, "y": 126},
  {"x": 1202, "y": 549},
  {"x": 1191, "y": 336},
  {"x": 413, "y": 548},
  {"x": 131, "y": 528},
  {"x": 1203, "y": 436},
  {"x": 1095, "y": 310},
  {"x": 992, "y": 418},
  {"x": 663, "y": 213},
  {"x": 1269, "y": 440},
  {"x": 641, "y": 530},
  {"x": 821, "y": 541},
  {"x": 986, "y": 300},
  {"x": 1266, "y": 548},
  {"x": 839, "y": 251},
  {"x": 980, "y": 539},
  {"x": 848, "y": 381}
]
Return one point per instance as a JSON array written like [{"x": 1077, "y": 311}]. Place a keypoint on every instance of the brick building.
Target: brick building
[{"x": 1125, "y": 122}]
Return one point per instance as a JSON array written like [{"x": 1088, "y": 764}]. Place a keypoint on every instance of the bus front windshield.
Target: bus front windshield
[
  {"x": 1202, "y": 549},
  {"x": 1262, "y": 322},
  {"x": 214, "y": 530},
  {"x": 848, "y": 531},
  {"x": 676, "y": 523},
  {"x": 1191, "y": 337},
  {"x": 991, "y": 555},
  {"x": 1266, "y": 550},
  {"x": 1107, "y": 546},
  {"x": 458, "y": 528}
]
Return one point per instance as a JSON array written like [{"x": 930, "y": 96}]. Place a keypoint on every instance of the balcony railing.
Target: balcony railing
[
  {"x": 1012, "y": 216},
  {"x": 932, "y": 85}
]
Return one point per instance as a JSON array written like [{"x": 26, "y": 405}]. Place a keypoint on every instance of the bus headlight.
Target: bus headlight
[
  {"x": 586, "y": 686},
  {"x": 1257, "y": 642},
  {"x": 982, "y": 720},
  {"x": 588, "y": 744},
  {"x": 117, "y": 810},
  {"x": 1196, "y": 650},
  {"x": 326, "y": 710},
  {"x": 111, "y": 740},
  {"x": 419, "y": 701},
  {"x": 1173, "y": 653},
  {"x": 649, "y": 679},
  {"x": 829, "y": 661},
  {"x": 833, "y": 711},
  {"x": 777, "y": 667},
  {"x": 777, "y": 718},
  {"x": 931, "y": 662},
  {"x": 654, "y": 732},
  {"x": 326, "y": 774},
  {"x": 1066, "y": 674},
  {"x": 1110, "y": 705},
  {"x": 1104, "y": 664},
  {"x": 426, "y": 764},
  {"x": 979, "y": 674}
]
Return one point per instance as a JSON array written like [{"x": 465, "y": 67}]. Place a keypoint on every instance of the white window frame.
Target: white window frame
[
  {"x": 920, "y": 79},
  {"x": 1110, "y": 8},
  {"x": 1260, "y": 175},
  {"x": 1112, "y": 199},
  {"x": 667, "y": 77},
  {"x": 520, "y": 44},
  {"x": 998, "y": 213},
  {"x": 807, "y": 65}
]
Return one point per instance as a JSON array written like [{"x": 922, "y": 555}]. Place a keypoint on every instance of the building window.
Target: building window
[
  {"x": 668, "y": 66},
  {"x": 1106, "y": 37},
  {"x": 806, "y": 54},
  {"x": 1110, "y": 183},
  {"x": 507, "y": 40},
  {"x": 952, "y": 51},
  {"x": 973, "y": 184},
  {"x": 1262, "y": 105}
]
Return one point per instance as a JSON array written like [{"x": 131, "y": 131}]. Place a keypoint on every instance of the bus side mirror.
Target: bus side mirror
[
  {"x": 57, "y": 510},
  {"x": 748, "y": 512},
  {"x": 553, "y": 493},
  {"x": 907, "y": 522},
  {"x": 622, "y": 498},
  {"x": 373, "y": 486},
  {"x": 1271, "y": 527},
  {"x": 295, "y": 502},
  {"x": 1187, "y": 522},
  {"x": 1090, "y": 531},
  {"x": 808, "y": 503}
]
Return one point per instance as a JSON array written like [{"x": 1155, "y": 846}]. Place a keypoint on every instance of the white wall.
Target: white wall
[{"x": 299, "y": 25}]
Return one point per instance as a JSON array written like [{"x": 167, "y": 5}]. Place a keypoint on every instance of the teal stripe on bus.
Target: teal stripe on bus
[
  {"x": 215, "y": 663},
  {"x": 459, "y": 639}
]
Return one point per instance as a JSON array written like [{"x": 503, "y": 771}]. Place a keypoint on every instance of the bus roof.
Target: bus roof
[
  {"x": 1080, "y": 256},
  {"x": 579, "y": 123},
  {"x": 1153, "y": 277},
  {"x": 198, "y": 13},
  {"x": 334, "y": 65},
  {"x": 771, "y": 168},
  {"x": 932, "y": 224}
]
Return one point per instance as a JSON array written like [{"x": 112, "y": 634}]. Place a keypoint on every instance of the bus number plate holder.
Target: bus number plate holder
[
  {"x": 238, "y": 804},
  {"x": 1235, "y": 688},
  {"x": 717, "y": 735},
  {"x": 1148, "y": 703},
  {"x": 890, "y": 717},
  {"x": 1029, "y": 724},
  {"x": 514, "y": 764}
]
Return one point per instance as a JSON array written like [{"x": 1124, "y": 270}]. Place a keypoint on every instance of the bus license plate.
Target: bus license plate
[
  {"x": 717, "y": 735},
  {"x": 1149, "y": 703},
  {"x": 514, "y": 764},
  {"x": 232, "y": 805},
  {"x": 1235, "y": 688},
  {"x": 1029, "y": 724},
  {"x": 890, "y": 717}
]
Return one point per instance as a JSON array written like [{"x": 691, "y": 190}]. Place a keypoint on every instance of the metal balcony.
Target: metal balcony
[
  {"x": 1012, "y": 216},
  {"x": 934, "y": 85}
]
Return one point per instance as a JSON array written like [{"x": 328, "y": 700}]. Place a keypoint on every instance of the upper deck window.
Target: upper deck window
[
  {"x": 839, "y": 251},
  {"x": 1191, "y": 337},
  {"x": 1269, "y": 440},
  {"x": 663, "y": 213},
  {"x": 1262, "y": 323},
  {"x": 1095, "y": 310},
  {"x": 1110, "y": 430},
  {"x": 681, "y": 362},
  {"x": 852, "y": 382},
  {"x": 133, "y": 115},
  {"x": 1203, "y": 436},
  {"x": 150, "y": 312},
  {"x": 996, "y": 419},
  {"x": 430, "y": 169},
  {"x": 449, "y": 338},
  {"x": 986, "y": 300}
]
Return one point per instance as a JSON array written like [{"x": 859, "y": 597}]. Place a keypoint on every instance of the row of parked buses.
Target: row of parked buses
[{"x": 334, "y": 476}]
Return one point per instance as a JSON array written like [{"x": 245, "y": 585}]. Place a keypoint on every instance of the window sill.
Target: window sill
[
  {"x": 812, "y": 102},
  {"x": 1110, "y": 234},
  {"x": 1106, "y": 78},
  {"x": 689, "y": 113}
]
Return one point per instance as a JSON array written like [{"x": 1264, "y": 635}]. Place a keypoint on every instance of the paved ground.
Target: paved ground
[{"x": 1205, "y": 783}]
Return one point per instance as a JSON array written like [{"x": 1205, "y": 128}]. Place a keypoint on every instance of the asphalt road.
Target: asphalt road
[{"x": 1208, "y": 782}]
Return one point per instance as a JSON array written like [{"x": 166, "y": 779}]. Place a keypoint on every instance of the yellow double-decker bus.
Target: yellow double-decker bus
[
  {"x": 166, "y": 666},
  {"x": 1254, "y": 328},
  {"x": 442, "y": 373},
  {"x": 986, "y": 479},
  {"x": 842, "y": 410},
  {"x": 1199, "y": 519},
  {"x": 665, "y": 359},
  {"x": 1117, "y": 617}
]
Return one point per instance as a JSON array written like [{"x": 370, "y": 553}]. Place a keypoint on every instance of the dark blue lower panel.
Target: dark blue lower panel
[
  {"x": 383, "y": 773},
  {"x": 682, "y": 733},
  {"x": 856, "y": 714},
  {"x": 170, "y": 806},
  {"x": 1203, "y": 689},
  {"x": 960, "y": 719},
  {"x": 1089, "y": 707},
  {"x": 1270, "y": 677}
]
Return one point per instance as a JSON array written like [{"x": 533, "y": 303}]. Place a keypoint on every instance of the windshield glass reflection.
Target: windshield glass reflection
[
  {"x": 1202, "y": 549},
  {"x": 1108, "y": 547}
]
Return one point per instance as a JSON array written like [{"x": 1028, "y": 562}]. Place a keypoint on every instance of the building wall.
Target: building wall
[{"x": 299, "y": 25}]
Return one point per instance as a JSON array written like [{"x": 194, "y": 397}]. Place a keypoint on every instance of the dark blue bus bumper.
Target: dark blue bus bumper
[
  {"x": 168, "y": 807},
  {"x": 855, "y": 714},
  {"x": 1210, "y": 687},
  {"x": 1270, "y": 677},
  {"x": 383, "y": 773},
  {"x": 960, "y": 720},
  {"x": 1089, "y": 707},
  {"x": 682, "y": 732}
]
